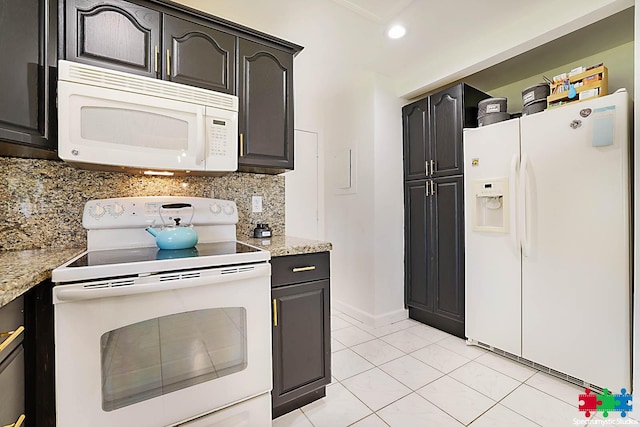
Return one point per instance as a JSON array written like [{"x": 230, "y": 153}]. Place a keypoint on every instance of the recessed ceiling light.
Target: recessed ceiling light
[{"x": 397, "y": 31}]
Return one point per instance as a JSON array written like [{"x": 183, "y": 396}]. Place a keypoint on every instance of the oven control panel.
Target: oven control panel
[{"x": 141, "y": 212}]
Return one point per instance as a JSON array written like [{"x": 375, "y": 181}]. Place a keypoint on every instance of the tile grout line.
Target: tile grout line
[{"x": 412, "y": 391}]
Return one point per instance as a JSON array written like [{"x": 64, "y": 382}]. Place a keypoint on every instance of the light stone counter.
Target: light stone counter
[
  {"x": 288, "y": 245},
  {"x": 22, "y": 270}
]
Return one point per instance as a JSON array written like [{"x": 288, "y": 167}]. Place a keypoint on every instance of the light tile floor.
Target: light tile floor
[{"x": 408, "y": 374}]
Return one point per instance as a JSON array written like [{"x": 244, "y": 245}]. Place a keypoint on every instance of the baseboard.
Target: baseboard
[{"x": 369, "y": 319}]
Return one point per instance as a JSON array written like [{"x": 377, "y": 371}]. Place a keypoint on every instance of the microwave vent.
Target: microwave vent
[{"x": 85, "y": 74}]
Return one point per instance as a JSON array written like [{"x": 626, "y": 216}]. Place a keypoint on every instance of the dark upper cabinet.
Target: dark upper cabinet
[
  {"x": 265, "y": 92},
  {"x": 184, "y": 51},
  {"x": 445, "y": 125},
  {"x": 432, "y": 131},
  {"x": 184, "y": 46},
  {"x": 28, "y": 78},
  {"x": 434, "y": 252},
  {"x": 115, "y": 34},
  {"x": 198, "y": 55},
  {"x": 301, "y": 330},
  {"x": 415, "y": 126}
]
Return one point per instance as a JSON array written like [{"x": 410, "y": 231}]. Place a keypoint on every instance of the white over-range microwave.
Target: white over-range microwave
[{"x": 110, "y": 120}]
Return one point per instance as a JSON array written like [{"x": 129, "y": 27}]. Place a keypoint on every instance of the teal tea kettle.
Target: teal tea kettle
[{"x": 174, "y": 236}]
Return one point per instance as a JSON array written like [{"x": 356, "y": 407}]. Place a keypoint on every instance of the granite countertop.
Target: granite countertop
[
  {"x": 288, "y": 245},
  {"x": 22, "y": 270}
]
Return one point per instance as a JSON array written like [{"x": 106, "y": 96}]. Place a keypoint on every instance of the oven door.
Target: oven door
[{"x": 157, "y": 350}]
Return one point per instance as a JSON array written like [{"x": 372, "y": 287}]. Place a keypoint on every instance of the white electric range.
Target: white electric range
[{"x": 155, "y": 337}]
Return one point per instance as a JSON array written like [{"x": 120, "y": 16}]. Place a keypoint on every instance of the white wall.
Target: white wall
[
  {"x": 350, "y": 222},
  {"x": 388, "y": 205}
]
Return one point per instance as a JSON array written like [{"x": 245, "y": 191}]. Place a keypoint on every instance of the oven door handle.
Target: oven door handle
[{"x": 81, "y": 292}]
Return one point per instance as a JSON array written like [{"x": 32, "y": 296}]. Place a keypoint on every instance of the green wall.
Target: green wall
[{"x": 618, "y": 60}]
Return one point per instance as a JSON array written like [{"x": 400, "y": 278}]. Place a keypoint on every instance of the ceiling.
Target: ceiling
[
  {"x": 445, "y": 41},
  {"x": 376, "y": 10},
  {"x": 452, "y": 39}
]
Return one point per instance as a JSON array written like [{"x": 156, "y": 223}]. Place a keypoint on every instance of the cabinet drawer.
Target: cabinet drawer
[
  {"x": 11, "y": 318},
  {"x": 290, "y": 269}
]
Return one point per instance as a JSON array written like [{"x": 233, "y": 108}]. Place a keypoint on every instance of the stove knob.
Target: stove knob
[
  {"x": 96, "y": 211},
  {"x": 215, "y": 208},
  {"x": 228, "y": 209},
  {"x": 117, "y": 210}
]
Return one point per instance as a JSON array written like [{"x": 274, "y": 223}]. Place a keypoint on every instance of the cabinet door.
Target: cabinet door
[
  {"x": 198, "y": 55},
  {"x": 301, "y": 340},
  {"x": 114, "y": 34},
  {"x": 27, "y": 74},
  {"x": 418, "y": 256},
  {"x": 265, "y": 92},
  {"x": 415, "y": 138},
  {"x": 445, "y": 124},
  {"x": 448, "y": 253}
]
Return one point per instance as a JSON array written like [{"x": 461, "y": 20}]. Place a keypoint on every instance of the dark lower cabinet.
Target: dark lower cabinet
[
  {"x": 12, "y": 362},
  {"x": 265, "y": 92},
  {"x": 39, "y": 356},
  {"x": 301, "y": 330},
  {"x": 434, "y": 252},
  {"x": 28, "y": 78},
  {"x": 27, "y": 359}
]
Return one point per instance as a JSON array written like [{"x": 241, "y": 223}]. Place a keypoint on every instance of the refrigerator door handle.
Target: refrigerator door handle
[
  {"x": 523, "y": 207},
  {"x": 513, "y": 210}
]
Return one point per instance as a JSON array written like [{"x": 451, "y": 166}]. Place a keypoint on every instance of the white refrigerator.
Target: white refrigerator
[{"x": 547, "y": 239}]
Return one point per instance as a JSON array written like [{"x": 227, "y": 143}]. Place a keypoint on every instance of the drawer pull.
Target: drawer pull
[
  {"x": 275, "y": 312},
  {"x": 300, "y": 269},
  {"x": 12, "y": 335},
  {"x": 18, "y": 423}
]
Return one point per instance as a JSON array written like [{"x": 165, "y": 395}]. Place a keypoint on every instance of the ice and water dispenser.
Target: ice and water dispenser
[{"x": 491, "y": 205}]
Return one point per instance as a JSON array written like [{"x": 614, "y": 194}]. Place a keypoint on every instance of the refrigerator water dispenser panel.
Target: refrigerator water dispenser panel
[{"x": 491, "y": 207}]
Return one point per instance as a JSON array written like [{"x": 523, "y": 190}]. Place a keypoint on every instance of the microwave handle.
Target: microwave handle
[{"x": 201, "y": 135}]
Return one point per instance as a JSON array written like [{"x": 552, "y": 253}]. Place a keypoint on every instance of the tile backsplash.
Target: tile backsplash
[{"x": 42, "y": 200}]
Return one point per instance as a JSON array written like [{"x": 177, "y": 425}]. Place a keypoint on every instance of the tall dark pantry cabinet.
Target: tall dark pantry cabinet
[{"x": 433, "y": 205}]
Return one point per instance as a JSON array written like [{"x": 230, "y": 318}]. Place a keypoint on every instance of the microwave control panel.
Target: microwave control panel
[{"x": 218, "y": 137}]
